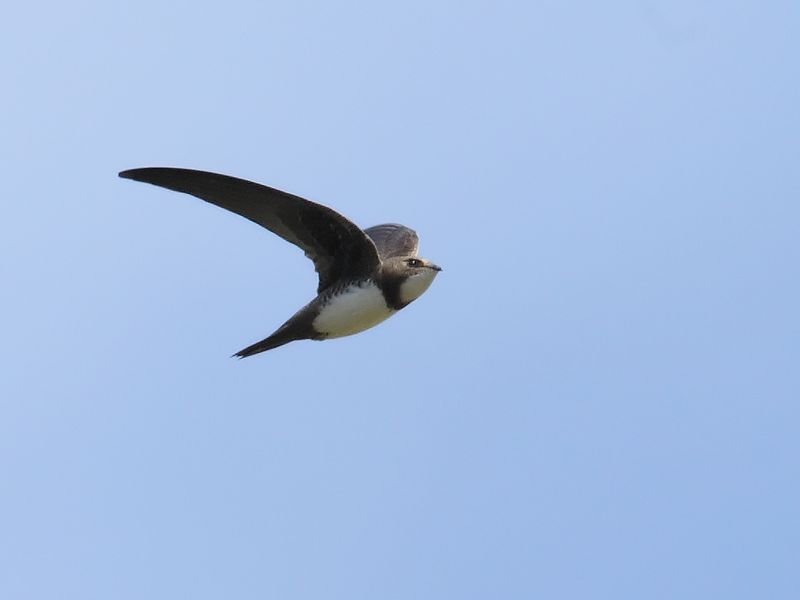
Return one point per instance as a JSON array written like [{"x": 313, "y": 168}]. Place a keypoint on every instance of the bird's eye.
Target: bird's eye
[{"x": 414, "y": 262}]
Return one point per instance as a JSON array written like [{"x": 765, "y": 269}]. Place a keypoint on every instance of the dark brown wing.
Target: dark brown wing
[
  {"x": 392, "y": 239},
  {"x": 338, "y": 247}
]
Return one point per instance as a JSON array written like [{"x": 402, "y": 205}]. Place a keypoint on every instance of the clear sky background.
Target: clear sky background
[{"x": 598, "y": 397}]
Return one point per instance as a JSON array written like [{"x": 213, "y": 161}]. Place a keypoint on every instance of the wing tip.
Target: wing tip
[{"x": 136, "y": 174}]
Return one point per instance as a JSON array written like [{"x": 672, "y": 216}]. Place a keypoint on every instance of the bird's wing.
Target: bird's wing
[
  {"x": 338, "y": 247},
  {"x": 392, "y": 240}
]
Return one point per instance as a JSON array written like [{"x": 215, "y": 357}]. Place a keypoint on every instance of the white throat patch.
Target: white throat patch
[
  {"x": 413, "y": 287},
  {"x": 355, "y": 309}
]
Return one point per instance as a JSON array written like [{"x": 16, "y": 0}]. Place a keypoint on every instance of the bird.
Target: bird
[{"x": 365, "y": 276}]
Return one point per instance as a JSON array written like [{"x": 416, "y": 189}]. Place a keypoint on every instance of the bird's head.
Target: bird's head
[{"x": 412, "y": 274}]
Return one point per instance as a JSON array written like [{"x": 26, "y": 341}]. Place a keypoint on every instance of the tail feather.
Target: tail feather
[
  {"x": 279, "y": 338},
  {"x": 299, "y": 327}
]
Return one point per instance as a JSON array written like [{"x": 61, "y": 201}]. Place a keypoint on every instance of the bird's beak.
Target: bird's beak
[{"x": 434, "y": 267}]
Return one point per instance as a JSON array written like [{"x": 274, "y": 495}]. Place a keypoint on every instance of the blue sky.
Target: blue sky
[{"x": 598, "y": 398}]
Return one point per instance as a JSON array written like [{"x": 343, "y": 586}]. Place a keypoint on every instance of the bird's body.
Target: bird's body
[
  {"x": 364, "y": 276},
  {"x": 354, "y": 309}
]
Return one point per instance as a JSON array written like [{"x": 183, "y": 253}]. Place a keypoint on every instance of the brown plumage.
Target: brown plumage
[{"x": 352, "y": 264}]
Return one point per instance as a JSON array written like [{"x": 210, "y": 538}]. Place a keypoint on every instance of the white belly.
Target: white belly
[{"x": 354, "y": 310}]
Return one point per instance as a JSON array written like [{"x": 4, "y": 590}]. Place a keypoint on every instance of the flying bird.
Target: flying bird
[{"x": 365, "y": 276}]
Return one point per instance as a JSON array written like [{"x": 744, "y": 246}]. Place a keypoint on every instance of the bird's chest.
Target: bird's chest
[{"x": 352, "y": 310}]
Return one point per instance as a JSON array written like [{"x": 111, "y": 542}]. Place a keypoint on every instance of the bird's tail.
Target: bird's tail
[
  {"x": 299, "y": 327},
  {"x": 279, "y": 338}
]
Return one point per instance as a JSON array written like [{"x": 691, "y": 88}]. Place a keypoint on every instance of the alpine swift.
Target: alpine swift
[{"x": 365, "y": 276}]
